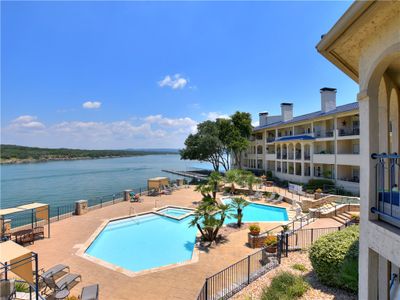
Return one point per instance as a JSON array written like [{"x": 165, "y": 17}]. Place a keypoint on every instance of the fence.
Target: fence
[
  {"x": 61, "y": 212},
  {"x": 229, "y": 281}
]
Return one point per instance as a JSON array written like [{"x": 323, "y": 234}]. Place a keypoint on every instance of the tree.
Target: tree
[
  {"x": 238, "y": 204},
  {"x": 250, "y": 180},
  {"x": 233, "y": 177},
  {"x": 210, "y": 188},
  {"x": 209, "y": 217},
  {"x": 204, "y": 145},
  {"x": 240, "y": 140}
]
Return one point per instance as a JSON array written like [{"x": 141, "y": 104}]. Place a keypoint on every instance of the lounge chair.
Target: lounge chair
[
  {"x": 153, "y": 193},
  {"x": 55, "y": 271},
  {"x": 271, "y": 197},
  {"x": 277, "y": 201},
  {"x": 7, "y": 289},
  {"x": 64, "y": 283},
  {"x": 38, "y": 232},
  {"x": 256, "y": 196},
  {"x": 90, "y": 292}
]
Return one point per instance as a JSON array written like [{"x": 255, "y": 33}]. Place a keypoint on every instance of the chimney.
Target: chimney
[
  {"x": 263, "y": 116},
  {"x": 287, "y": 111},
  {"x": 328, "y": 99}
]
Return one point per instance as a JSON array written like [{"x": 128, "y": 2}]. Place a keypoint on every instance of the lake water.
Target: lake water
[{"x": 63, "y": 182}]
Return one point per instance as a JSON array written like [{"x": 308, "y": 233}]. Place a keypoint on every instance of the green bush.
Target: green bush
[
  {"x": 314, "y": 184},
  {"x": 334, "y": 258},
  {"x": 22, "y": 287},
  {"x": 285, "y": 286}
]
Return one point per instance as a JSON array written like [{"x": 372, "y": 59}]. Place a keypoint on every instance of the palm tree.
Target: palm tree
[
  {"x": 233, "y": 177},
  {"x": 209, "y": 218},
  {"x": 238, "y": 204},
  {"x": 214, "y": 180},
  {"x": 251, "y": 180}
]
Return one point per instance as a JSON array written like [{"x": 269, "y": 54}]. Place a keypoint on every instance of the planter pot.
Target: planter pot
[
  {"x": 271, "y": 249},
  {"x": 255, "y": 233}
]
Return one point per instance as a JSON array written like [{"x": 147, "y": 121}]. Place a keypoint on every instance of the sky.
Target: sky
[{"x": 116, "y": 75}]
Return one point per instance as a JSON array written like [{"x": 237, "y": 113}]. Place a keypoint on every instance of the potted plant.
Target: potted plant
[
  {"x": 254, "y": 229},
  {"x": 355, "y": 218},
  {"x": 270, "y": 243},
  {"x": 318, "y": 191},
  {"x": 285, "y": 228}
]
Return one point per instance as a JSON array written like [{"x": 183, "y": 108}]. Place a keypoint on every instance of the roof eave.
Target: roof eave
[{"x": 327, "y": 42}]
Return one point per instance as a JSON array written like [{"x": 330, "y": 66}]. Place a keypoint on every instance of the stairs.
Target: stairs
[{"x": 343, "y": 218}]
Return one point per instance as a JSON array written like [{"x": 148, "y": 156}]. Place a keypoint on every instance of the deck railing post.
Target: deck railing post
[
  {"x": 248, "y": 269},
  {"x": 287, "y": 243},
  {"x": 312, "y": 235},
  {"x": 206, "y": 289}
]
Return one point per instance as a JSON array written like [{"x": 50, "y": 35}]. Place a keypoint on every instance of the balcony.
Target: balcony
[
  {"x": 321, "y": 134},
  {"x": 387, "y": 197},
  {"x": 349, "y": 131},
  {"x": 270, "y": 139}
]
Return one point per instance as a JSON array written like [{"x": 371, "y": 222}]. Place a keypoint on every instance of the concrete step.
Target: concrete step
[
  {"x": 341, "y": 219},
  {"x": 347, "y": 214}
]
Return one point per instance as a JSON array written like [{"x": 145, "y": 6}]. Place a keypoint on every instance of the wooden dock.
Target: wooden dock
[{"x": 190, "y": 174}]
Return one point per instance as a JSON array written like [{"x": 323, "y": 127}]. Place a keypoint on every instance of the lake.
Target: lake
[{"x": 63, "y": 182}]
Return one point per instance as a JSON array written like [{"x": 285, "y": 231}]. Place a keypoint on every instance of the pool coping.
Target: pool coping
[{"x": 81, "y": 252}]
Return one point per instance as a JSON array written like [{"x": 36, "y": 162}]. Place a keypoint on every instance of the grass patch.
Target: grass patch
[
  {"x": 299, "y": 267},
  {"x": 285, "y": 286},
  {"x": 22, "y": 287}
]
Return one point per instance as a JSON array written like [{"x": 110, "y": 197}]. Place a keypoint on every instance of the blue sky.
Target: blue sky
[{"x": 142, "y": 74}]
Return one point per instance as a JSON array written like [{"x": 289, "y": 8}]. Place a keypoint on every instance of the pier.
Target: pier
[{"x": 199, "y": 175}]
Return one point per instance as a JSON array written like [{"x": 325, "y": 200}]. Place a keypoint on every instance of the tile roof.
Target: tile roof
[{"x": 313, "y": 115}]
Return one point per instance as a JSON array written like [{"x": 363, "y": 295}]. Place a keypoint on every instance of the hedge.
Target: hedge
[
  {"x": 334, "y": 258},
  {"x": 285, "y": 286}
]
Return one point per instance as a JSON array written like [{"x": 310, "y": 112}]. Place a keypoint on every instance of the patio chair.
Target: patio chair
[
  {"x": 167, "y": 192},
  {"x": 277, "y": 201},
  {"x": 256, "y": 196},
  {"x": 271, "y": 197},
  {"x": 56, "y": 271},
  {"x": 7, "y": 289},
  {"x": 38, "y": 232},
  {"x": 90, "y": 292},
  {"x": 153, "y": 193},
  {"x": 64, "y": 283}
]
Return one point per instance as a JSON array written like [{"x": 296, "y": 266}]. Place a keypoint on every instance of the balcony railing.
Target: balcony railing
[
  {"x": 320, "y": 134},
  {"x": 270, "y": 139},
  {"x": 387, "y": 197},
  {"x": 352, "y": 179},
  {"x": 349, "y": 131}
]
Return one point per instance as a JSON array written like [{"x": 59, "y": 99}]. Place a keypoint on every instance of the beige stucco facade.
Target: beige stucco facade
[
  {"x": 322, "y": 144},
  {"x": 365, "y": 44}
]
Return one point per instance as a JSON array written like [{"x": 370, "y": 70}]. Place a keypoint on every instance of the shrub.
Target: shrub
[
  {"x": 285, "y": 286},
  {"x": 22, "y": 287},
  {"x": 334, "y": 258},
  {"x": 254, "y": 228},
  {"x": 314, "y": 184},
  {"x": 270, "y": 240},
  {"x": 299, "y": 267}
]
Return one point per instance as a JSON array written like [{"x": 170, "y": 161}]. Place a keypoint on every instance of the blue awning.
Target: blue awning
[{"x": 295, "y": 137}]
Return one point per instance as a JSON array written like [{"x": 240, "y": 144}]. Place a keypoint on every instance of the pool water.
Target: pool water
[
  {"x": 175, "y": 212},
  {"x": 255, "y": 212},
  {"x": 145, "y": 242}
]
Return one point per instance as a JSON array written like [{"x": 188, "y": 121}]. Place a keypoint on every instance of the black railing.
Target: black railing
[
  {"x": 232, "y": 279},
  {"x": 387, "y": 199},
  {"x": 270, "y": 139},
  {"x": 349, "y": 131}
]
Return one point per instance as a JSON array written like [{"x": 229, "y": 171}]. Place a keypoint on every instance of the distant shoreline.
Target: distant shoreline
[{"x": 50, "y": 159}]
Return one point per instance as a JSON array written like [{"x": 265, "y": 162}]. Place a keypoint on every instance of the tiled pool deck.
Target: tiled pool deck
[{"x": 184, "y": 282}]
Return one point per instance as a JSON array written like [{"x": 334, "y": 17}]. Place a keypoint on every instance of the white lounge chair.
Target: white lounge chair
[
  {"x": 277, "y": 201},
  {"x": 271, "y": 197}
]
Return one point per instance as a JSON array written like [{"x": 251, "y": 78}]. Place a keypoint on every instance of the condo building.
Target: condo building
[
  {"x": 321, "y": 144},
  {"x": 365, "y": 44}
]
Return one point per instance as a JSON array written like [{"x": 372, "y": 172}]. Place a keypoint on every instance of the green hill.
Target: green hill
[{"x": 18, "y": 154}]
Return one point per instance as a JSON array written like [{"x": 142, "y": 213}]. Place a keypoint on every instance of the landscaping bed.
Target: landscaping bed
[{"x": 316, "y": 290}]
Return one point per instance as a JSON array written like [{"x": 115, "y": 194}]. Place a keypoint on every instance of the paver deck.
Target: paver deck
[{"x": 182, "y": 282}]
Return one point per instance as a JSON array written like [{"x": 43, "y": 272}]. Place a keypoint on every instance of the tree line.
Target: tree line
[{"x": 9, "y": 152}]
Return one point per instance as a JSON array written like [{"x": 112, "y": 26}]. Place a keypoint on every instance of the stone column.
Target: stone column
[{"x": 81, "y": 207}]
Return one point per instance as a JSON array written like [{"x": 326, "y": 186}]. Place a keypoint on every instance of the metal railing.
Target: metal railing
[
  {"x": 57, "y": 213},
  {"x": 232, "y": 279},
  {"x": 270, "y": 139},
  {"x": 349, "y": 131},
  {"x": 320, "y": 134},
  {"x": 387, "y": 196}
]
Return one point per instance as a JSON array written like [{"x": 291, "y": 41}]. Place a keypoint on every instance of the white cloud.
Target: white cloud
[
  {"x": 176, "y": 82},
  {"x": 26, "y": 122},
  {"x": 212, "y": 115},
  {"x": 91, "y": 104},
  {"x": 151, "y": 131}
]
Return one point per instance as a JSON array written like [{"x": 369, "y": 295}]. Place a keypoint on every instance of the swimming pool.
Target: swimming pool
[
  {"x": 255, "y": 212},
  {"x": 174, "y": 211},
  {"x": 145, "y": 242}
]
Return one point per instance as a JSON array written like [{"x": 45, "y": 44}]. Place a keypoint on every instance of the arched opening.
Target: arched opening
[
  {"x": 284, "y": 151},
  {"x": 291, "y": 151},
  {"x": 298, "y": 151}
]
